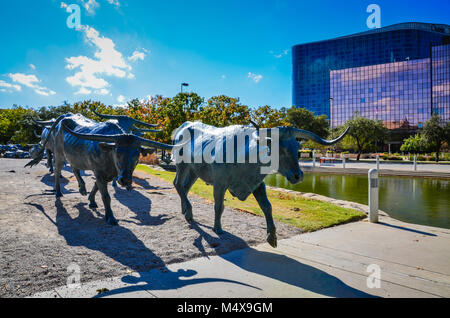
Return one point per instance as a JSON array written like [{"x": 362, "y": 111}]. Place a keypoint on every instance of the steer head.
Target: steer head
[
  {"x": 125, "y": 149},
  {"x": 289, "y": 146}
]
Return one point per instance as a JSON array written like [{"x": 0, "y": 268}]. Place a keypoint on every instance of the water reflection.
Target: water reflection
[{"x": 416, "y": 200}]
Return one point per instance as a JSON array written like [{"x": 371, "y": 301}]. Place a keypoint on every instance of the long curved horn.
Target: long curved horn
[
  {"x": 155, "y": 144},
  {"x": 43, "y": 123},
  {"x": 304, "y": 134},
  {"x": 92, "y": 137},
  {"x": 142, "y": 130},
  {"x": 118, "y": 117},
  {"x": 36, "y": 134}
]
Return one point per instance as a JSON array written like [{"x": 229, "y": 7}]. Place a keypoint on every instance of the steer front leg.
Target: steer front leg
[
  {"x": 103, "y": 188},
  {"x": 261, "y": 196},
  {"x": 49, "y": 161},
  {"x": 92, "y": 203},
  {"x": 219, "y": 196},
  {"x": 81, "y": 184}
]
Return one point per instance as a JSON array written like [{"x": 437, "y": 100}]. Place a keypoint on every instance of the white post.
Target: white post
[
  {"x": 314, "y": 159},
  {"x": 373, "y": 195},
  {"x": 415, "y": 162},
  {"x": 343, "y": 161},
  {"x": 378, "y": 162}
]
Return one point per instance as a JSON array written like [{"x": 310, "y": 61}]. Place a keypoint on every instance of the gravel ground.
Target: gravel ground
[{"x": 41, "y": 236}]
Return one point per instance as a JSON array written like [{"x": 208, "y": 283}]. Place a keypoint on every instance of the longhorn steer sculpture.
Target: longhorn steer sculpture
[
  {"x": 103, "y": 148},
  {"x": 128, "y": 125},
  {"x": 49, "y": 146},
  {"x": 241, "y": 179}
]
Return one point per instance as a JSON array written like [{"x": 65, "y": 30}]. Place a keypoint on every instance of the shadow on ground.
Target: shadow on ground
[
  {"x": 140, "y": 205},
  {"x": 271, "y": 265},
  {"x": 88, "y": 229}
]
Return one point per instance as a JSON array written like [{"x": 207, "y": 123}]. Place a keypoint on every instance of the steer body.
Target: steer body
[{"x": 241, "y": 179}]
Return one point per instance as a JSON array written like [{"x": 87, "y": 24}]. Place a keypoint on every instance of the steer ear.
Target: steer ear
[
  {"x": 106, "y": 146},
  {"x": 147, "y": 151}
]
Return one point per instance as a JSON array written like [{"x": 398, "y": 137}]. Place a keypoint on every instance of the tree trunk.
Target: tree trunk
[
  {"x": 359, "y": 155},
  {"x": 437, "y": 154}
]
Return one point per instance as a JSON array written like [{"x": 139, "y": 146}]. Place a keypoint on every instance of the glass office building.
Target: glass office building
[
  {"x": 403, "y": 95},
  {"x": 441, "y": 81},
  {"x": 398, "y": 46}
]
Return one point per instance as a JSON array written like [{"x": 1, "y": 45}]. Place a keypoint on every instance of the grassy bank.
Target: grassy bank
[{"x": 307, "y": 214}]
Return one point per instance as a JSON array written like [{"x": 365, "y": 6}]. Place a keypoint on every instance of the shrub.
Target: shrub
[{"x": 149, "y": 159}]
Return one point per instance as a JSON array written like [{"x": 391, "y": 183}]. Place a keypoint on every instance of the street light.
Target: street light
[
  {"x": 183, "y": 84},
  {"x": 331, "y": 120}
]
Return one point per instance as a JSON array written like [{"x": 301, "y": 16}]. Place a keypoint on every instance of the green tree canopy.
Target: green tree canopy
[
  {"x": 304, "y": 119},
  {"x": 415, "y": 144},
  {"x": 435, "y": 133},
  {"x": 365, "y": 133}
]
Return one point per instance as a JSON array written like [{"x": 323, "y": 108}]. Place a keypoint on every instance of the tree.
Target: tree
[
  {"x": 365, "y": 133},
  {"x": 415, "y": 144},
  {"x": 435, "y": 133},
  {"x": 304, "y": 119},
  {"x": 223, "y": 111},
  {"x": 267, "y": 117}
]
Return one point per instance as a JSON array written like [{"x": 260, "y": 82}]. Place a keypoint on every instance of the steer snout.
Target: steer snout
[{"x": 296, "y": 177}]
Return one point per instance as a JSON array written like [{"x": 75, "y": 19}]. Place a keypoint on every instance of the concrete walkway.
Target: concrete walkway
[
  {"x": 385, "y": 169},
  {"x": 414, "y": 261}
]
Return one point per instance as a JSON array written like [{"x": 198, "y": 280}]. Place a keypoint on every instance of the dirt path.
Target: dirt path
[{"x": 40, "y": 236}]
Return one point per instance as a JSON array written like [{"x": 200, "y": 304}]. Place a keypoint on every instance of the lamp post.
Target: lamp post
[
  {"x": 331, "y": 119},
  {"x": 183, "y": 84}
]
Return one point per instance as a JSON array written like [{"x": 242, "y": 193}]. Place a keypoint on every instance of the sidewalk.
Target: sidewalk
[
  {"x": 386, "y": 169},
  {"x": 414, "y": 261}
]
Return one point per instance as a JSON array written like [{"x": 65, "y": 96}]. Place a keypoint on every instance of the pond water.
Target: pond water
[{"x": 416, "y": 200}]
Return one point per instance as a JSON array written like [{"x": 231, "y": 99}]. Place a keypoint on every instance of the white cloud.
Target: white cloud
[
  {"x": 90, "y": 5},
  {"x": 102, "y": 91},
  {"x": 137, "y": 56},
  {"x": 32, "y": 66},
  {"x": 83, "y": 91},
  {"x": 31, "y": 81},
  {"x": 121, "y": 98},
  {"x": 114, "y": 2},
  {"x": 8, "y": 87},
  {"x": 256, "y": 78},
  {"x": 280, "y": 55},
  {"x": 107, "y": 62}
]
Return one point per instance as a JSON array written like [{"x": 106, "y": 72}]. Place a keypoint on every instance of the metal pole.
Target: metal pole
[
  {"x": 415, "y": 162},
  {"x": 314, "y": 159},
  {"x": 373, "y": 195},
  {"x": 343, "y": 161},
  {"x": 378, "y": 162}
]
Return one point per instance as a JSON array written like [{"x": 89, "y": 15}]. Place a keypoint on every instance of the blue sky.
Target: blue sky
[{"x": 136, "y": 48}]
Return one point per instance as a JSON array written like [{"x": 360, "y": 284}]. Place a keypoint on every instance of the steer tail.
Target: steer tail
[{"x": 40, "y": 154}]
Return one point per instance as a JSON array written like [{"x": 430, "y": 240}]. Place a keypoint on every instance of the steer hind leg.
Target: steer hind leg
[
  {"x": 58, "y": 167},
  {"x": 49, "y": 161},
  {"x": 103, "y": 187},
  {"x": 261, "y": 196},
  {"x": 181, "y": 183},
  {"x": 219, "y": 196},
  {"x": 81, "y": 184},
  {"x": 92, "y": 203}
]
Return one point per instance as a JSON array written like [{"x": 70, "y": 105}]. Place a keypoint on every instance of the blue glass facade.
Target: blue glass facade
[
  {"x": 441, "y": 81},
  {"x": 313, "y": 62},
  {"x": 398, "y": 94}
]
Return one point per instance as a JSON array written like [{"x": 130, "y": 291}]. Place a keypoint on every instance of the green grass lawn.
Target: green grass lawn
[{"x": 306, "y": 214}]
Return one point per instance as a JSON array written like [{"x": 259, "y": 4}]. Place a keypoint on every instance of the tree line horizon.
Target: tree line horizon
[{"x": 365, "y": 135}]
